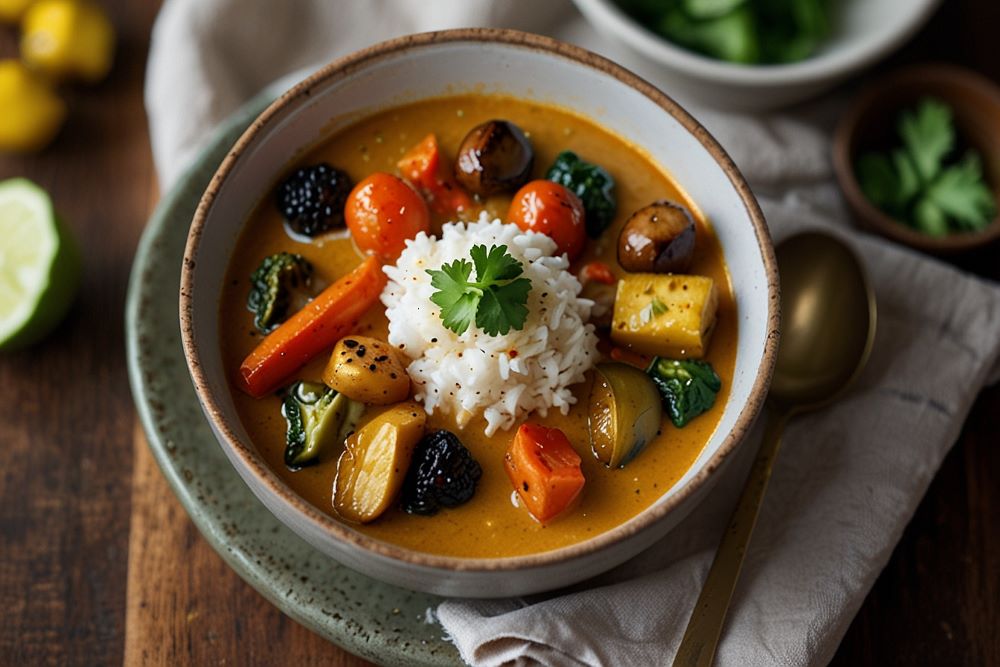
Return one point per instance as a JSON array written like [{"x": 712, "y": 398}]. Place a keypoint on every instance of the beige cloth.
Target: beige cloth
[{"x": 848, "y": 478}]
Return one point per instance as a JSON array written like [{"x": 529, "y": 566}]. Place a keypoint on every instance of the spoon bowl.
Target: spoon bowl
[
  {"x": 827, "y": 331},
  {"x": 827, "y": 321}
]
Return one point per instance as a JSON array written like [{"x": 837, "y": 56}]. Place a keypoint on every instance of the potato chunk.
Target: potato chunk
[
  {"x": 371, "y": 470},
  {"x": 666, "y": 315},
  {"x": 367, "y": 370}
]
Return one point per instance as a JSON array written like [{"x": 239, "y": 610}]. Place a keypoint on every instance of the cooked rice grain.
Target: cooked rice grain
[{"x": 503, "y": 378}]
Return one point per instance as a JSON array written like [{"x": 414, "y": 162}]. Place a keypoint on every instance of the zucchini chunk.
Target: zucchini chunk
[{"x": 317, "y": 418}]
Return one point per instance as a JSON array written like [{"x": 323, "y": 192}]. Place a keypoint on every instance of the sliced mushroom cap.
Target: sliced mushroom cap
[
  {"x": 658, "y": 238},
  {"x": 494, "y": 157}
]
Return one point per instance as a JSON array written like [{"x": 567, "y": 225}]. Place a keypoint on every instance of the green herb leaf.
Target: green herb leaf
[
  {"x": 657, "y": 306},
  {"x": 502, "y": 308},
  {"x": 495, "y": 301},
  {"x": 494, "y": 265},
  {"x": 960, "y": 193},
  {"x": 928, "y": 135},
  {"x": 909, "y": 178},
  {"x": 929, "y": 218},
  {"x": 878, "y": 180},
  {"x": 458, "y": 307},
  {"x": 919, "y": 185}
]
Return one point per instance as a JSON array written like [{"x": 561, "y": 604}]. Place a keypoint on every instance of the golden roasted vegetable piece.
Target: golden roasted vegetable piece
[
  {"x": 665, "y": 315},
  {"x": 30, "y": 111},
  {"x": 367, "y": 370},
  {"x": 373, "y": 466},
  {"x": 68, "y": 39}
]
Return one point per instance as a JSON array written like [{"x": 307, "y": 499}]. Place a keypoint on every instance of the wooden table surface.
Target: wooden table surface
[{"x": 100, "y": 565}]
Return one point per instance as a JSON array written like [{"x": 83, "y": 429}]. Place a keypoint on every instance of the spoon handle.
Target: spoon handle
[{"x": 704, "y": 628}]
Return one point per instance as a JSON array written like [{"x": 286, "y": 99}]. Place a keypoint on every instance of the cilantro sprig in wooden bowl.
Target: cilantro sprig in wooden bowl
[{"x": 918, "y": 158}]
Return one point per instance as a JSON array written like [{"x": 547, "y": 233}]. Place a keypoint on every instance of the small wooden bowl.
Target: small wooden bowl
[{"x": 871, "y": 123}]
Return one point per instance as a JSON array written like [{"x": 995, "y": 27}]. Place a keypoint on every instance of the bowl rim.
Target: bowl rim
[
  {"x": 936, "y": 78},
  {"x": 247, "y": 454},
  {"x": 823, "y": 64}
]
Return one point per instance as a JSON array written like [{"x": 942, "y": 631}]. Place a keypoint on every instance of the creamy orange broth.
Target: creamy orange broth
[{"x": 490, "y": 525}]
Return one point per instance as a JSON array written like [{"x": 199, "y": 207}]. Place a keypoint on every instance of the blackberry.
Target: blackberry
[
  {"x": 312, "y": 198},
  {"x": 442, "y": 474}
]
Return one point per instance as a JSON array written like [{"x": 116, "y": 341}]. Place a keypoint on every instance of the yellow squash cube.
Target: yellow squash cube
[{"x": 667, "y": 315}]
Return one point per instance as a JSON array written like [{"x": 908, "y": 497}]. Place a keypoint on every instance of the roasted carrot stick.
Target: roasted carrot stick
[
  {"x": 324, "y": 320},
  {"x": 544, "y": 469},
  {"x": 422, "y": 166}
]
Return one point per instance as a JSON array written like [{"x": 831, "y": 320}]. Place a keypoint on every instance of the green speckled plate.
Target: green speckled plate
[{"x": 374, "y": 620}]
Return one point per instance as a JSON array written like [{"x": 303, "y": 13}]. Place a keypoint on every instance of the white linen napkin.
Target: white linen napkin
[{"x": 848, "y": 478}]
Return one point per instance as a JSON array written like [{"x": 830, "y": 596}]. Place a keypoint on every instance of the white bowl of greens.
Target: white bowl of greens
[{"x": 758, "y": 54}]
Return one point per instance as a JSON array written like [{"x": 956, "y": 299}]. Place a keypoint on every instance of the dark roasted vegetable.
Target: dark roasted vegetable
[
  {"x": 312, "y": 199},
  {"x": 592, "y": 184},
  {"x": 272, "y": 286},
  {"x": 494, "y": 157},
  {"x": 687, "y": 387},
  {"x": 317, "y": 418},
  {"x": 658, "y": 238},
  {"x": 442, "y": 474}
]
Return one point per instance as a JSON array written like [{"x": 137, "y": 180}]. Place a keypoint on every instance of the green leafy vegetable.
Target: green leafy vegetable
[
  {"x": 272, "y": 286},
  {"x": 919, "y": 185},
  {"x": 962, "y": 195},
  {"x": 316, "y": 418},
  {"x": 657, "y": 306},
  {"x": 928, "y": 135},
  {"x": 592, "y": 184},
  {"x": 495, "y": 300},
  {"x": 741, "y": 31},
  {"x": 687, "y": 387}
]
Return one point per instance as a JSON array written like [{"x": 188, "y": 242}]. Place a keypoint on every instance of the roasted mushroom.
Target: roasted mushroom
[
  {"x": 658, "y": 238},
  {"x": 494, "y": 157}
]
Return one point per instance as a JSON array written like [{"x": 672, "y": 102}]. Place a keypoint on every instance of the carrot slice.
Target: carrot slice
[
  {"x": 544, "y": 469},
  {"x": 325, "y": 320},
  {"x": 422, "y": 166},
  {"x": 599, "y": 272}
]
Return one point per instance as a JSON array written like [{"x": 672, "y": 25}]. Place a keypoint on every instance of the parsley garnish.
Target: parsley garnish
[
  {"x": 917, "y": 183},
  {"x": 496, "y": 300}
]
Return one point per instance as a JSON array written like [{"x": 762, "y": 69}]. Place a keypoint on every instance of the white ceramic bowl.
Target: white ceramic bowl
[
  {"x": 865, "y": 31},
  {"x": 527, "y": 66}
]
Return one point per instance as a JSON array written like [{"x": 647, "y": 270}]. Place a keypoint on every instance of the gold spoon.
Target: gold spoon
[{"x": 827, "y": 331}]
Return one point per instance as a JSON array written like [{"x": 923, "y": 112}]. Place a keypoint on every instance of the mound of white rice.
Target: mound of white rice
[{"x": 501, "y": 377}]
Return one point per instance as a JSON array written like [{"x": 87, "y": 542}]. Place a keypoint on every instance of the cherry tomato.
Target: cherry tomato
[
  {"x": 382, "y": 212},
  {"x": 549, "y": 208}
]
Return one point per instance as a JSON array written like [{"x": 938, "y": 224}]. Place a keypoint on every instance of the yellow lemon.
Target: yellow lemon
[
  {"x": 68, "y": 39},
  {"x": 12, "y": 10},
  {"x": 30, "y": 111}
]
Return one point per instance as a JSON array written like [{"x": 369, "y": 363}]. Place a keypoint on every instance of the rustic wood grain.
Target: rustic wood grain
[
  {"x": 65, "y": 410},
  {"x": 71, "y": 483},
  {"x": 186, "y": 607}
]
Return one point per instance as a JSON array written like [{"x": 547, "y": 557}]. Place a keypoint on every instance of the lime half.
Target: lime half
[{"x": 39, "y": 265}]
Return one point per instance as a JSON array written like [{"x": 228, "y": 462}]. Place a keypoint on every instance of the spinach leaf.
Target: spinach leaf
[
  {"x": 592, "y": 184},
  {"x": 687, "y": 387}
]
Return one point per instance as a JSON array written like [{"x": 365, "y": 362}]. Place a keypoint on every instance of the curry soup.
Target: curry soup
[{"x": 493, "y": 523}]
